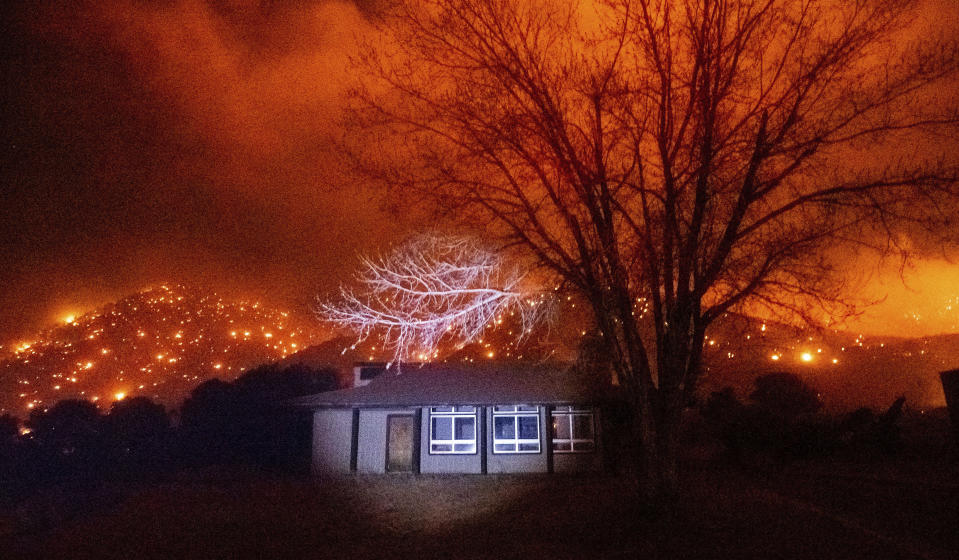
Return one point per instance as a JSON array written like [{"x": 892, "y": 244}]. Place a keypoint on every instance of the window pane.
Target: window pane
[
  {"x": 465, "y": 428},
  {"x": 529, "y": 447},
  {"x": 583, "y": 426},
  {"x": 464, "y": 447},
  {"x": 465, "y": 409},
  {"x": 561, "y": 446},
  {"x": 441, "y": 448},
  {"x": 526, "y": 408},
  {"x": 501, "y": 447},
  {"x": 441, "y": 409},
  {"x": 504, "y": 408},
  {"x": 584, "y": 446},
  {"x": 528, "y": 427},
  {"x": 442, "y": 428},
  {"x": 561, "y": 426},
  {"x": 503, "y": 427}
]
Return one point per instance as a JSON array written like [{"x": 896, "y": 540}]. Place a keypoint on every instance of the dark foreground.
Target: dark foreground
[{"x": 810, "y": 510}]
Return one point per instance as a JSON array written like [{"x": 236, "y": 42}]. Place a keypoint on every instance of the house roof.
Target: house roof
[{"x": 435, "y": 384}]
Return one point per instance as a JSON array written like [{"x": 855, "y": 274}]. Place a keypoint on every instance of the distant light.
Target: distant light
[
  {"x": 489, "y": 354},
  {"x": 835, "y": 361},
  {"x": 774, "y": 357},
  {"x": 806, "y": 357},
  {"x": 119, "y": 396},
  {"x": 70, "y": 319}
]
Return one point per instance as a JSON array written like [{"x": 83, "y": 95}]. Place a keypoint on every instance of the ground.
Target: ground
[
  {"x": 815, "y": 510},
  {"x": 850, "y": 504}
]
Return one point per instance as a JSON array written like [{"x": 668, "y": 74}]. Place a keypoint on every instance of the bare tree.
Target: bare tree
[
  {"x": 702, "y": 157},
  {"x": 430, "y": 288}
]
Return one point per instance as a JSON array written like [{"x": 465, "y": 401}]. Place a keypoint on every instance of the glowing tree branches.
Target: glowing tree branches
[{"x": 429, "y": 288}]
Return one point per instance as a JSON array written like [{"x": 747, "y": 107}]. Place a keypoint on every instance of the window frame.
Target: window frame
[
  {"x": 517, "y": 411},
  {"x": 454, "y": 413},
  {"x": 568, "y": 414}
]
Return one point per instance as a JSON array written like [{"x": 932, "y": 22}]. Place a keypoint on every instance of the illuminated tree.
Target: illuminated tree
[
  {"x": 697, "y": 157},
  {"x": 430, "y": 288}
]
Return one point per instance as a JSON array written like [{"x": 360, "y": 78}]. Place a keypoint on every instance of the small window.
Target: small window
[
  {"x": 369, "y": 372},
  {"x": 515, "y": 429},
  {"x": 452, "y": 429},
  {"x": 573, "y": 430}
]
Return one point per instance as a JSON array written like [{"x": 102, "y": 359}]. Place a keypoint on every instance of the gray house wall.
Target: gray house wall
[
  {"x": 371, "y": 438},
  {"x": 333, "y": 445},
  {"x": 518, "y": 462},
  {"x": 449, "y": 463},
  {"x": 332, "y": 440}
]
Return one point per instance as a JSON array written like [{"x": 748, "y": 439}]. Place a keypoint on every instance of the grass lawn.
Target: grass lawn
[{"x": 723, "y": 513}]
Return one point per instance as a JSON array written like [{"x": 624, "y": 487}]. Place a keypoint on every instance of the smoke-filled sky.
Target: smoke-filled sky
[{"x": 190, "y": 140}]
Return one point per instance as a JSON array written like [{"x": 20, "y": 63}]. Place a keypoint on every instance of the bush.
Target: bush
[{"x": 785, "y": 395}]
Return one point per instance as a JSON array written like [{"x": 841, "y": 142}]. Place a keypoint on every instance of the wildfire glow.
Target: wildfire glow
[{"x": 806, "y": 357}]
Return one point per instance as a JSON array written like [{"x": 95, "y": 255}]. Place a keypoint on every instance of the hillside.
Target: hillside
[{"x": 158, "y": 343}]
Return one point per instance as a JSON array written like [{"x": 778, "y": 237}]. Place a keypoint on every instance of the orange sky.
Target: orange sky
[{"x": 190, "y": 141}]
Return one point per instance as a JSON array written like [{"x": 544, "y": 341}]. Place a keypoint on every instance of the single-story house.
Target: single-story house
[{"x": 462, "y": 419}]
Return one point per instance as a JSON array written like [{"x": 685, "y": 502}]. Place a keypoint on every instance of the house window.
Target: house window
[
  {"x": 515, "y": 429},
  {"x": 452, "y": 429},
  {"x": 573, "y": 430}
]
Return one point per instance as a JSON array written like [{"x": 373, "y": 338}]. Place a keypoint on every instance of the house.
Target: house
[{"x": 457, "y": 419}]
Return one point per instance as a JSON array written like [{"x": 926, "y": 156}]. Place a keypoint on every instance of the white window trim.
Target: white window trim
[
  {"x": 570, "y": 412},
  {"x": 452, "y": 442},
  {"x": 512, "y": 411}
]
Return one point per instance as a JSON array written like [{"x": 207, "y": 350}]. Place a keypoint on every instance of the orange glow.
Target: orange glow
[{"x": 806, "y": 357}]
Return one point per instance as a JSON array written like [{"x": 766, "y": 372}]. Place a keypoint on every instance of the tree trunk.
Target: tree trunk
[{"x": 657, "y": 446}]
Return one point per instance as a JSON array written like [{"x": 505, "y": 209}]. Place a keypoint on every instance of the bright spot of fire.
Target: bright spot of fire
[
  {"x": 119, "y": 396},
  {"x": 806, "y": 357}
]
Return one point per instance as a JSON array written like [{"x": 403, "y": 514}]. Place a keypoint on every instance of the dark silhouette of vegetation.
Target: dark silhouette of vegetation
[
  {"x": 247, "y": 420},
  {"x": 244, "y": 421},
  {"x": 137, "y": 435},
  {"x": 782, "y": 417},
  {"x": 785, "y": 394}
]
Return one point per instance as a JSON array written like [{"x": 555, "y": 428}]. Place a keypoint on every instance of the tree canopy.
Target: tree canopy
[{"x": 669, "y": 161}]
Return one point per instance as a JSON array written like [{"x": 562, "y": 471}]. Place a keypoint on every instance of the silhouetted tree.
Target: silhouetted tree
[
  {"x": 137, "y": 432},
  {"x": 68, "y": 438},
  {"x": 785, "y": 395},
  {"x": 9, "y": 429},
  {"x": 692, "y": 158},
  {"x": 249, "y": 420}
]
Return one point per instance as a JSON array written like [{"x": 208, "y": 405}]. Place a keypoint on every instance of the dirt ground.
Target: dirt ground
[{"x": 811, "y": 510}]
